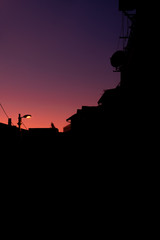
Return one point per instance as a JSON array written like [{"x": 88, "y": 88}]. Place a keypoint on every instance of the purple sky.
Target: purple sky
[{"x": 55, "y": 57}]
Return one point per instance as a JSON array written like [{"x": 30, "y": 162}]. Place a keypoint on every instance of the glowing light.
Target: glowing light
[{"x": 27, "y": 116}]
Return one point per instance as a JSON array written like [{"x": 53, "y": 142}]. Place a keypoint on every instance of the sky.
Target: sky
[{"x": 55, "y": 57}]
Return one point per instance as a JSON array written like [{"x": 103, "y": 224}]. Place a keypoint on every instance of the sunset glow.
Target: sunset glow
[{"x": 55, "y": 57}]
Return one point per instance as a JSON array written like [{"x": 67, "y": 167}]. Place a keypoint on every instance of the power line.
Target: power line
[
  {"x": 24, "y": 125},
  {"x": 8, "y": 116},
  {"x": 4, "y": 111}
]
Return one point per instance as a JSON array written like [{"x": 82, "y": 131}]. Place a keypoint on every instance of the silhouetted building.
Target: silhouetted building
[
  {"x": 10, "y": 134},
  {"x": 127, "y": 5},
  {"x": 113, "y": 117},
  {"x": 7, "y": 130},
  {"x": 84, "y": 122},
  {"x": 125, "y": 60},
  {"x": 42, "y": 132},
  {"x": 43, "y": 136},
  {"x": 67, "y": 128}
]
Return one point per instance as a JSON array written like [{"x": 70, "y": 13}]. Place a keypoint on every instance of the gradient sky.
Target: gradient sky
[{"x": 55, "y": 57}]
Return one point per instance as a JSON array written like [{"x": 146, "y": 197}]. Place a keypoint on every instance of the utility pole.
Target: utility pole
[{"x": 19, "y": 121}]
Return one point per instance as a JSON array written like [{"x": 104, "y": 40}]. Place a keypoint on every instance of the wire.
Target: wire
[
  {"x": 8, "y": 116},
  {"x": 24, "y": 126},
  {"x": 4, "y": 111}
]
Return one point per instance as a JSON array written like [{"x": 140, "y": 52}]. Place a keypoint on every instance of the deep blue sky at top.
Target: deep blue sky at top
[{"x": 57, "y": 52}]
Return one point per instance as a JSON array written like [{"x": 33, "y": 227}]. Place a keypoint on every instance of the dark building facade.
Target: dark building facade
[{"x": 114, "y": 114}]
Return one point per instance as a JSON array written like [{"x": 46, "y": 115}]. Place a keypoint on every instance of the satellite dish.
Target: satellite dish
[{"x": 117, "y": 59}]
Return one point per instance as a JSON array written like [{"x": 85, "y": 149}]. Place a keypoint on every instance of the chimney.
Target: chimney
[{"x": 9, "y": 122}]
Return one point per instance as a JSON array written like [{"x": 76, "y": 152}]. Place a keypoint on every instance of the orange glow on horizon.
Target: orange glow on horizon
[{"x": 56, "y": 58}]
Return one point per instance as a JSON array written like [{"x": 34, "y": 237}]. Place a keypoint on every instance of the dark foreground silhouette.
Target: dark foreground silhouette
[
  {"x": 104, "y": 130},
  {"x": 87, "y": 173}
]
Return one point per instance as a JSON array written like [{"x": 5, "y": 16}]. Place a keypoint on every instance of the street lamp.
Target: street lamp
[{"x": 20, "y": 119}]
